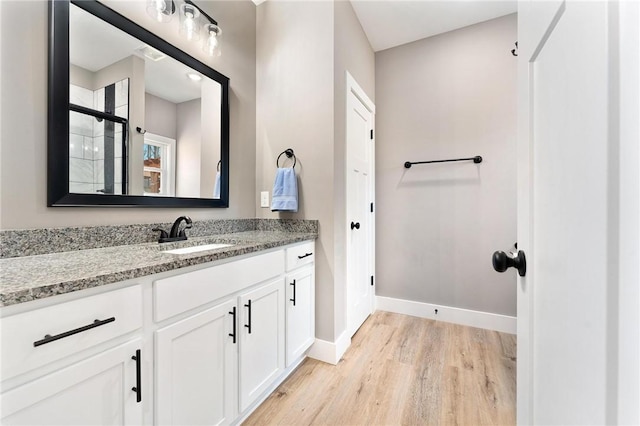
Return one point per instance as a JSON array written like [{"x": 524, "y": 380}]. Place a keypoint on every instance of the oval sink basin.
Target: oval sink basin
[{"x": 195, "y": 249}]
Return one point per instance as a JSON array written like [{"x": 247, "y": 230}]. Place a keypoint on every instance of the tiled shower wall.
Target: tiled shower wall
[{"x": 87, "y": 141}]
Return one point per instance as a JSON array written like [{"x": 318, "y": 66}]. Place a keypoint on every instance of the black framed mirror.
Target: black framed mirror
[{"x": 109, "y": 141}]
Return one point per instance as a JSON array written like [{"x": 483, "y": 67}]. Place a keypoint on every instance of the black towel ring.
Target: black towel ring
[
  {"x": 289, "y": 153},
  {"x": 218, "y": 166}
]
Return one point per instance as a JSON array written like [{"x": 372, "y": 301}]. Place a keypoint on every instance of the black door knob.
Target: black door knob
[
  {"x": 355, "y": 225},
  {"x": 502, "y": 261}
]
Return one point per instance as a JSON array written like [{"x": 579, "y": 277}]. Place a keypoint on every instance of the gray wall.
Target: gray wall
[
  {"x": 160, "y": 116},
  {"x": 295, "y": 110},
  {"x": 448, "y": 96},
  {"x": 23, "y": 105},
  {"x": 301, "y": 59}
]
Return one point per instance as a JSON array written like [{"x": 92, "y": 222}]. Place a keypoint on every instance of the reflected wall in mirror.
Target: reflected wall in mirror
[{"x": 147, "y": 124}]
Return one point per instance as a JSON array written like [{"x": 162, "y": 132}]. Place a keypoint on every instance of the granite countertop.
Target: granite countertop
[{"x": 23, "y": 279}]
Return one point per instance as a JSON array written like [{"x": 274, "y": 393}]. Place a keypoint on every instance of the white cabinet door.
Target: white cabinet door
[
  {"x": 300, "y": 289},
  {"x": 196, "y": 368},
  {"x": 261, "y": 330},
  {"x": 96, "y": 391}
]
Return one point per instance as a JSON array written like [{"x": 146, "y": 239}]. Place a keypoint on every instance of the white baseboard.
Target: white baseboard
[
  {"x": 330, "y": 352},
  {"x": 486, "y": 320}
]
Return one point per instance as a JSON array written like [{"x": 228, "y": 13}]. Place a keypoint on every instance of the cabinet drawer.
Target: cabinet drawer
[
  {"x": 24, "y": 346},
  {"x": 300, "y": 254},
  {"x": 180, "y": 293}
]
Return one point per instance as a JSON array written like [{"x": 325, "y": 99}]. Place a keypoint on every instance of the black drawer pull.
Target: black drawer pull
[
  {"x": 233, "y": 314},
  {"x": 294, "y": 292},
  {"x": 49, "y": 338},
  {"x": 248, "y": 305},
  {"x": 138, "y": 388},
  {"x": 305, "y": 255}
]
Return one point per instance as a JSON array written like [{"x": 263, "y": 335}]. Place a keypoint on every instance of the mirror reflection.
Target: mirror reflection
[{"x": 140, "y": 122}]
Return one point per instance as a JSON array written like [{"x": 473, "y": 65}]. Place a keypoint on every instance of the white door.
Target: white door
[
  {"x": 96, "y": 391},
  {"x": 360, "y": 219},
  {"x": 300, "y": 312},
  {"x": 196, "y": 368},
  {"x": 567, "y": 213},
  {"x": 261, "y": 331}
]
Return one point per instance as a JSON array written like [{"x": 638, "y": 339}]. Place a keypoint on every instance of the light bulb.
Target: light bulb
[
  {"x": 160, "y": 5},
  {"x": 212, "y": 44},
  {"x": 188, "y": 24},
  {"x": 189, "y": 21},
  {"x": 160, "y": 10}
]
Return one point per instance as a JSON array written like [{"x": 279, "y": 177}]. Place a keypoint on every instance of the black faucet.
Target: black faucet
[
  {"x": 176, "y": 234},
  {"x": 176, "y": 226}
]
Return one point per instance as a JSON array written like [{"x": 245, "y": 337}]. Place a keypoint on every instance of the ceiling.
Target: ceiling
[{"x": 390, "y": 23}]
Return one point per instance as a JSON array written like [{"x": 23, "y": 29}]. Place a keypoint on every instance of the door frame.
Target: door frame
[{"x": 353, "y": 88}]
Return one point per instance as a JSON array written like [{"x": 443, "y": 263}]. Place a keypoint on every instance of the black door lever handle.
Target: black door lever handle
[
  {"x": 502, "y": 261},
  {"x": 355, "y": 225}
]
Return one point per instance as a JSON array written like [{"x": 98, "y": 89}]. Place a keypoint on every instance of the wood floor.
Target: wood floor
[{"x": 402, "y": 370}]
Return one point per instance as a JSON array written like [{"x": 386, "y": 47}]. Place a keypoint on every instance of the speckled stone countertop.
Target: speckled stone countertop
[{"x": 28, "y": 278}]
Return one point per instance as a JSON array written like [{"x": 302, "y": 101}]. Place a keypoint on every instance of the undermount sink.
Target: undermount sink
[{"x": 195, "y": 249}]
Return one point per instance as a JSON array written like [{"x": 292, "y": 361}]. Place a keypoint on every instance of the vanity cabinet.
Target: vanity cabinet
[
  {"x": 196, "y": 368},
  {"x": 201, "y": 346}
]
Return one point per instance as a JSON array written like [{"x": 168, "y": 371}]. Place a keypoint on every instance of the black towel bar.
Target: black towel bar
[{"x": 477, "y": 159}]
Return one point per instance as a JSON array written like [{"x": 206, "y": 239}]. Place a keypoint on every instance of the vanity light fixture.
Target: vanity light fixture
[
  {"x": 190, "y": 22},
  {"x": 193, "y": 76}
]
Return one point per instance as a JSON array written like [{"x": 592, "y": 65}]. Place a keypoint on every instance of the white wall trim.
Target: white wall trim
[
  {"x": 479, "y": 319},
  {"x": 330, "y": 352}
]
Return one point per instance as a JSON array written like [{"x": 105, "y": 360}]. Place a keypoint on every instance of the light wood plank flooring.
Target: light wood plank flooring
[{"x": 402, "y": 370}]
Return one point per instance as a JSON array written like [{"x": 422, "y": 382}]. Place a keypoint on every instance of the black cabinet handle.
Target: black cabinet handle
[
  {"x": 294, "y": 292},
  {"x": 138, "y": 387},
  {"x": 305, "y": 255},
  {"x": 49, "y": 338},
  {"x": 233, "y": 314},
  {"x": 248, "y": 305},
  {"x": 355, "y": 225}
]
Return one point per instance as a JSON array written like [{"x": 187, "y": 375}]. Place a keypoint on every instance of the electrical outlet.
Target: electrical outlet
[{"x": 264, "y": 199}]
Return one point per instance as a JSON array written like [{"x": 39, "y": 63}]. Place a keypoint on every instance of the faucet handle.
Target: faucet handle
[{"x": 163, "y": 233}]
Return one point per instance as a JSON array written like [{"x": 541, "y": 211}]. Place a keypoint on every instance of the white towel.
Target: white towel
[
  {"x": 216, "y": 187},
  {"x": 285, "y": 191}
]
